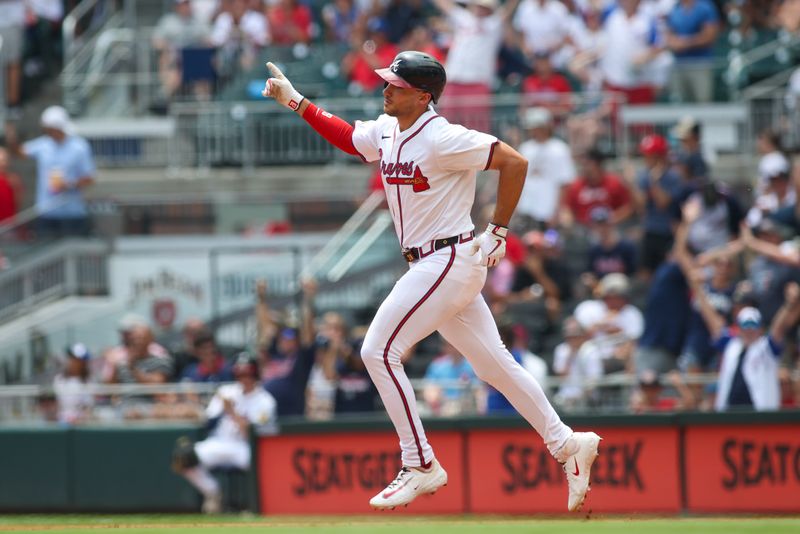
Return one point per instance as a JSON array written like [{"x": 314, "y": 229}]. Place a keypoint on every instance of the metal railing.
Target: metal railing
[{"x": 70, "y": 267}]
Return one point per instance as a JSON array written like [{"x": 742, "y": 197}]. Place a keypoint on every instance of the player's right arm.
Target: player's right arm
[{"x": 333, "y": 129}]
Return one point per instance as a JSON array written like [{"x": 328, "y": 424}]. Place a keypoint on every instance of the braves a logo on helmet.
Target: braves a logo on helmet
[
  {"x": 405, "y": 173},
  {"x": 395, "y": 66}
]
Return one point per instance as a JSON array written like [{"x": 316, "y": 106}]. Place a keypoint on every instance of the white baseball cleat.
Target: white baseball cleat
[
  {"x": 409, "y": 484},
  {"x": 579, "y": 453}
]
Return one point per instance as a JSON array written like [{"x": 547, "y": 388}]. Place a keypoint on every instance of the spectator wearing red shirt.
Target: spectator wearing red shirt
[
  {"x": 376, "y": 52},
  {"x": 290, "y": 22},
  {"x": 546, "y": 87},
  {"x": 10, "y": 189},
  {"x": 598, "y": 188}
]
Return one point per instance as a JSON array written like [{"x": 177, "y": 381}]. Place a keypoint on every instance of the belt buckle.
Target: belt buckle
[{"x": 408, "y": 254}]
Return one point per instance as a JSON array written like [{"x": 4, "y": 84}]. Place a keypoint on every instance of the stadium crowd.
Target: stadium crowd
[{"x": 655, "y": 272}]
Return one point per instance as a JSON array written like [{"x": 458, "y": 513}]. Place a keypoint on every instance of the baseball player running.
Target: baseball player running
[{"x": 429, "y": 168}]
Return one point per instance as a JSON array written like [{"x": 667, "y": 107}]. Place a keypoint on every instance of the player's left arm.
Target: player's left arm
[{"x": 513, "y": 167}]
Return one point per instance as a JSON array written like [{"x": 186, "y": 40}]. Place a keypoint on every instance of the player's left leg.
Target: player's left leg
[
  {"x": 474, "y": 333},
  {"x": 211, "y": 453}
]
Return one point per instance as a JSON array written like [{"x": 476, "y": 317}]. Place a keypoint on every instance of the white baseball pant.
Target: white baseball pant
[
  {"x": 443, "y": 292},
  {"x": 220, "y": 452}
]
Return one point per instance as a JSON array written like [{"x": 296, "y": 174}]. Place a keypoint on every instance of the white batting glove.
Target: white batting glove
[
  {"x": 279, "y": 88},
  {"x": 491, "y": 244}
]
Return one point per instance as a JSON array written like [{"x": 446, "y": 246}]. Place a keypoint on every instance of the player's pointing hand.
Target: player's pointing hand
[{"x": 279, "y": 88}]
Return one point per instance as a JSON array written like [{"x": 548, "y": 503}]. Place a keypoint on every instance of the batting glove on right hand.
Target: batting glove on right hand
[
  {"x": 279, "y": 88},
  {"x": 492, "y": 244}
]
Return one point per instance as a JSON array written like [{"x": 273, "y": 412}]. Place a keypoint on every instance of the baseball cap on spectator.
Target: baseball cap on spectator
[
  {"x": 572, "y": 328},
  {"x": 749, "y": 317},
  {"x": 648, "y": 378},
  {"x": 685, "y": 127},
  {"x": 78, "y": 351},
  {"x": 57, "y": 118},
  {"x": 377, "y": 25},
  {"x": 130, "y": 321},
  {"x": 744, "y": 295},
  {"x": 653, "y": 145},
  {"x": 537, "y": 117},
  {"x": 773, "y": 165},
  {"x": 614, "y": 284},
  {"x": 600, "y": 214},
  {"x": 289, "y": 333}
]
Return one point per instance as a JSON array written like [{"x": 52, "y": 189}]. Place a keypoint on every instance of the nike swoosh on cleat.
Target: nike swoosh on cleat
[
  {"x": 577, "y": 471},
  {"x": 387, "y": 494}
]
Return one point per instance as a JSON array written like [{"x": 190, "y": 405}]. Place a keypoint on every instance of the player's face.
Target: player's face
[{"x": 399, "y": 101}]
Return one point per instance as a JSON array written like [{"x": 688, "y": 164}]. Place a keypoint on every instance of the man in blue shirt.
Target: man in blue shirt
[
  {"x": 65, "y": 167},
  {"x": 691, "y": 30}
]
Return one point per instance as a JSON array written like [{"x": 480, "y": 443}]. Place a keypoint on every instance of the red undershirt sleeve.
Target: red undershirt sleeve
[{"x": 333, "y": 129}]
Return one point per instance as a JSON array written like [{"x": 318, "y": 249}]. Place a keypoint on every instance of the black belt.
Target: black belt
[{"x": 415, "y": 253}]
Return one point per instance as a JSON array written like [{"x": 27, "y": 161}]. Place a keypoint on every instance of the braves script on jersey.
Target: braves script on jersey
[{"x": 428, "y": 172}]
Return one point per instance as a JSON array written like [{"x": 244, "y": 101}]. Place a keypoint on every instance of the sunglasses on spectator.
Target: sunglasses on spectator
[{"x": 749, "y": 325}]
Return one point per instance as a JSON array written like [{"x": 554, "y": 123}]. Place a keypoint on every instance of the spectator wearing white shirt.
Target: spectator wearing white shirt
[
  {"x": 550, "y": 170},
  {"x": 748, "y": 375},
  {"x": 633, "y": 43},
  {"x": 577, "y": 361},
  {"x": 545, "y": 27},
  {"x": 772, "y": 159},
  {"x": 776, "y": 194},
  {"x": 239, "y": 34},
  {"x": 477, "y": 37},
  {"x": 612, "y": 322},
  {"x": 231, "y": 412}
]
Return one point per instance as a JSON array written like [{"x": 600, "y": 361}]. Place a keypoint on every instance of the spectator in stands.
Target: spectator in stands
[
  {"x": 183, "y": 353},
  {"x": 449, "y": 383},
  {"x": 176, "y": 31},
  {"x": 355, "y": 392},
  {"x": 290, "y": 22},
  {"x": 477, "y": 37},
  {"x": 609, "y": 252},
  {"x": 691, "y": 31},
  {"x": 43, "y": 36},
  {"x": 140, "y": 365},
  {"x": 74, "y": 402},
  {"x": 286, "y": 365},
  {"x": 367, "y": 55},
  {"x": 748, "y": 376},
  {"x": 12, "y": 24},
  {"x": 239, "y": 35},
  {"x": 211, "y": 365},
  {"x": 120, "y": 355},
  {"x": 550, "y": 171},
  {"x": 577, "y": 362},
  {"x": 691, "y": 163},
  {"x": 612, "y": 322},
  {"x": 649, "y": 396},
  {"x": 719, "y": 219},
  {"x": 231, "y": 413},
  {"x": 594, "y": 188},
  {"x": 64, "y": 167},
  {"x": 542, "y": 277},
  {"x": 401, "y": 16},
  {"x": 546, "y": 88},
  {"x": 633, "y": 45},
  {"x": 514, "y": 337},
  {"x": 332, "y": 346},
  {"x": 772, "y": 159},
  {"x": 421, "y": 38},
  {"x": 10, "y": 190},
  {"x": 665, "y": 317},
  {"x": 656, "y": 189},
  {"x": 544, "y": 26},
  {"x": 776, "y": 194},
  {"x": 340, "y": 18}
]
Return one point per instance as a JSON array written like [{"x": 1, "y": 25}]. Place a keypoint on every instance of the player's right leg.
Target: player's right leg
[
  {"x": 474, "y": 333},
  {"x": 429, "y": 293}
]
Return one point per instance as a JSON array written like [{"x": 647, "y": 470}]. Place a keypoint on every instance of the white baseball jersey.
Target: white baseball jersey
[
  {"x": 258, "y": 406},
  {"x": 428, "y": 173}
]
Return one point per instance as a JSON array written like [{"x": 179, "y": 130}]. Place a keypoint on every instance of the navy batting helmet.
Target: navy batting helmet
[
  {"x": 246, "y": 364},
  {"x": 416, "y": 70}
]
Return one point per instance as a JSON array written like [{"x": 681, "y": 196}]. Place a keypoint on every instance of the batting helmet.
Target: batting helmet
[
  {"x": 418, "y": 70},
  {"x": 246, "y": 364}
]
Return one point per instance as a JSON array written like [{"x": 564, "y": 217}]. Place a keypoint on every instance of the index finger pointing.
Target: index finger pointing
[{"x": 275, "y": 71}]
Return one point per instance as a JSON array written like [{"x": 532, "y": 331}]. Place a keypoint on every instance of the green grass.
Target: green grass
[{"x": 383, "y": 523}]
